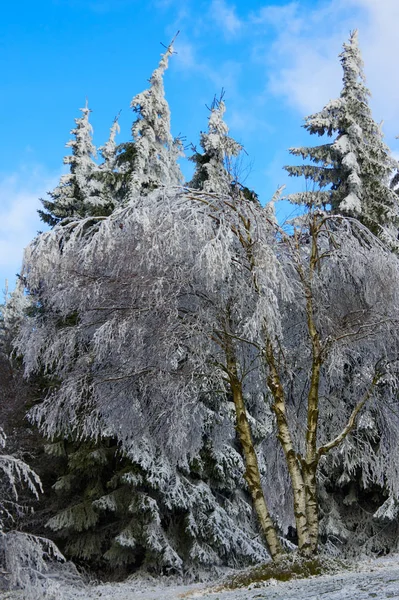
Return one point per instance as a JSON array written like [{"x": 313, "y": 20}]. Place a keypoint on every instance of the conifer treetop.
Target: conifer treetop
[
  {"x": 156, "y": 150},
  {"x": 213, "y": 167},
  {"x": 108, "y": 150},
  {"x": 357, "y": 166},
  {"x": 82, "y": 161},
  {"x": 83, "y": 149},
  {"x": 352, "y": 65},
  {"x": 79, "y": 192}
]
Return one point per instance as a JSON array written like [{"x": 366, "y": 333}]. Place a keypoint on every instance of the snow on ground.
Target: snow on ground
[{"x": 372, "y": 579}]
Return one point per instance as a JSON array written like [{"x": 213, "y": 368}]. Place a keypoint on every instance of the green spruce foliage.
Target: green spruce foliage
[{"x": 117, "y": 515}]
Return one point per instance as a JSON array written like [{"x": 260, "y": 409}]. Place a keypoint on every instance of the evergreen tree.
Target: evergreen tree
[
  {"x": 118, "y": 513},
  {"x": 108, "y": 151},
  {"x": 29, "y": 562},
  {"x": 79, "y": 193},
  {"x": 109, "y": 173},
  {"x": 155, "y": 150},
  {"x": 213, "y": 166},
  {"x": 352, "y": 173}
]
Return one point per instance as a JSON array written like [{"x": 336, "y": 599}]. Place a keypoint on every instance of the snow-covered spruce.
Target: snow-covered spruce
[
  {"x": 80, "y": 192},
  {"x": 155, "y": 150},
  {"x": 31, "y": 564},
  {"x": 119, "y": 513},
  {"x": 352, "y": 173},
  {"x": 213, "y": 171}
]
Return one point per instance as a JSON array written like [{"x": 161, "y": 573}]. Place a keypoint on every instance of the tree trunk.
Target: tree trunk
[
  {"x": 310, "y": 463},
  {"x": 294, "y": 467},
  {"x": 252, "y": 475},
  {"x": 312, "y": 505}
]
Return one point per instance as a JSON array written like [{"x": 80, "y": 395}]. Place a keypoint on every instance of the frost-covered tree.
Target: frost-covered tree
[
  {"x": 79, "y": 192},
  {"x": 346, "y": 360},
  {"x": 177, "y": 427},
  {"x": 155, "y": 150},
  {"x": 230, "y": 543},
  {"x": 196, "y": 317},
  {"x": 351, "y": 173},
  {"x": 213, "y": 169}
]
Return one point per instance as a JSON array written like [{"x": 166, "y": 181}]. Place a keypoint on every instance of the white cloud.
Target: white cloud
[
  {"x": 312, "y": 80},
  {"x": 303, "y": 66},
  {"x": 185, "y": 56},
  {"x": 287, "y": 14},
  {"x": 380, "y": 48},
  {"x": 225, "y": 18},
  {"x": 19, "y": 221},
  {"x": 224, "y": 75}
]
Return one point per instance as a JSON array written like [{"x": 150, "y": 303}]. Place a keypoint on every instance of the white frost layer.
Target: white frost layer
[{"x": 372, "y": 579}]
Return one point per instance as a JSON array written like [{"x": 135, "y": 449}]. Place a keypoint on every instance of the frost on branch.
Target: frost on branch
[
  {"x": 27, "y": 562},
  {"x": 12, "y": 312},
  {"x": 178, "y": 263},
  {"x": 36, "y": 568},
  {"x": 15, "y": 473}
]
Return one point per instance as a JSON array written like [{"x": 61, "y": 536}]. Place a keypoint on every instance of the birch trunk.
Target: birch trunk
[
  {"x": 312, "y": 505},
  {"x": 252, "y": 474},
  {"x": 294, "y": 468},
  {"x": 309, "y": 465}
]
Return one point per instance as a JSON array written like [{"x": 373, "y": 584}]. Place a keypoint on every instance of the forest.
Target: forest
[{"x": 187, "y": 384}]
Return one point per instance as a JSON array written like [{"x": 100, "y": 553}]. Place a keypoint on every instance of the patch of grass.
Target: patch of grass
[{"x": 290, "y": 567}]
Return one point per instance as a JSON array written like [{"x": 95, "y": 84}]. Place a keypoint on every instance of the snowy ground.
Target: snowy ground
[{"x": 372, "y": 579}]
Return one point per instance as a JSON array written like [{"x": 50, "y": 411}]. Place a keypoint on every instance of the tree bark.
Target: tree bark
[
  {"x": 312, "y": 505},
  {"x": 310, "y": 463},
  {"x": 252, "y": 474},
  {"x": 294, "y": 467}
]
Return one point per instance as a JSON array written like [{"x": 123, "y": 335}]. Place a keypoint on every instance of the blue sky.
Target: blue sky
[{"x": 277, "y": 62}]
